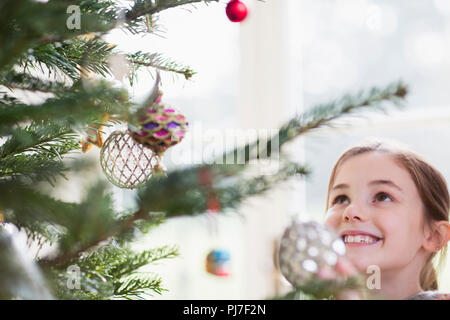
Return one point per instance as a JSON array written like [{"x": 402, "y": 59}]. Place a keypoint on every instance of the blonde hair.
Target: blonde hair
[{"x": 429, "y": 182}]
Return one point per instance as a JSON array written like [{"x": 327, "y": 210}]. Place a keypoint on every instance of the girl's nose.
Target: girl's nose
[{"x": 353, "y": 213}]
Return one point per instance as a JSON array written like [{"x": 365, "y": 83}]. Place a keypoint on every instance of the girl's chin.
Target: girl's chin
[
  {"x": 363, "y": 255},
  {"x": 361, "y": 261}
]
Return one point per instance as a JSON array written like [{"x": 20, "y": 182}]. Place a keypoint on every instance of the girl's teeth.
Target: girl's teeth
[{"x": 359, "y": 239}]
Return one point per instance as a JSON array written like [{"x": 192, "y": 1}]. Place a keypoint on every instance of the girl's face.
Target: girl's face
[{"x": 375, "y": 198}]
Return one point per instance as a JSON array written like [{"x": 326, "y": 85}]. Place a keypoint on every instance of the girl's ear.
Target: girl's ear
[{"x": 438, "y": 236}]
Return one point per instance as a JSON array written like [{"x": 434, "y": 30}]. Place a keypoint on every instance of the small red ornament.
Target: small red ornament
[
  {"x": 213, "y": 204},
  {"x": 236, "y": 10}
]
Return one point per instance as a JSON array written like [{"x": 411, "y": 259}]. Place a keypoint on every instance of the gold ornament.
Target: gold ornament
[{"x": 126, "y": 163}]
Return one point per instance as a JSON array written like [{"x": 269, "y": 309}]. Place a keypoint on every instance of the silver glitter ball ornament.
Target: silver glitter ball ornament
[
  {"x": 305, "y": 248},
  {"x": 125, "y": 162}
]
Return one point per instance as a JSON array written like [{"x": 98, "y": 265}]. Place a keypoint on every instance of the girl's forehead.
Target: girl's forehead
[
  {"x": 369, "y": 158},
  {"x": 371, "y": 165}
]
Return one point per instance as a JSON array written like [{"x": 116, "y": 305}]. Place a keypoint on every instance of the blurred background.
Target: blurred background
[{"x": 286, "y": 57}]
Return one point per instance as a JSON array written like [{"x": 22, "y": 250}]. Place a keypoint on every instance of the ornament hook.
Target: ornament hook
[{"x": 155, "y": 91}]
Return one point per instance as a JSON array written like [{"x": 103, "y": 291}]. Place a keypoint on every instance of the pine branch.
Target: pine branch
[
  {"x": 107, "y": 13},
  {"x": 136, "y": 287},
  {"x": 16, "y": 80},
  {"x": 72, "y": 108},
  {"x": 79, "y": 223},
  {"x": 35, "y": 137},
  {"x": 119, "y": 268},
  {"x": 323, "y": 116},
  {"x": 6, "y": 99},
  {"x": 114, "y": 262},
  {"x": 180, "y": 193},
  {"x": 40, "y": 233},
  {"x": 149, "y": 7},
  {"x": 39, "y": 166},
  {"x": 92, "y": 287},
  {"x": 116, "y": 229},
  {"x": 36, "y": 152},
  {"x": 140, "y": 227},
  {"x": 18, "y": 32},
  {"x": 37, "y": 208},
  {"x": 136, "y": 261},
  {"x": 43, "y": 218},
  {"x": 155, "y": 60},
  {"x": 94, "y": 216},
  {"x": 71, "y": 57}
]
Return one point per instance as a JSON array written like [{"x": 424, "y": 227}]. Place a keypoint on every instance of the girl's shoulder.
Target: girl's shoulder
[{"x": 430, "y": 295}]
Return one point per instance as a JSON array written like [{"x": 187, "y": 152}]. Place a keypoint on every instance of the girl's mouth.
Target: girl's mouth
[{"x": 358, "y": 240}]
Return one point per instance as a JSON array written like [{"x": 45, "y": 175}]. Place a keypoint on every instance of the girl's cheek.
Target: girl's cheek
[
  {"x": 388, "y": 223},
  {"x": 332, "y": 219}
]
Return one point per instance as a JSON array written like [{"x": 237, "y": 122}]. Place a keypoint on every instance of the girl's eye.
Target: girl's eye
[
  {"x": 382, "y": 196},
  {"x": 339, "y": 199}
]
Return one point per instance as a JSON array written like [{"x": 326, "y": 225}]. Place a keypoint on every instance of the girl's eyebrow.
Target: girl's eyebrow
[{"x": 374, "y": 182}]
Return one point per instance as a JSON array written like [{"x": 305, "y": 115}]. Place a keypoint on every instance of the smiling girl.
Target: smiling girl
[{"x": 391, "y": 207}]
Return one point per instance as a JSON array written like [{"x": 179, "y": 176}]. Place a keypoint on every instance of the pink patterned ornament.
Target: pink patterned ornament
[{"x": 159, "y": 128}]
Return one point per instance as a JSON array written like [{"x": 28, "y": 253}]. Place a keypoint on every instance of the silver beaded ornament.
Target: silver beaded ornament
[
  {"x": 126, "y": 163},
  {"x": 305, "y": 248}
]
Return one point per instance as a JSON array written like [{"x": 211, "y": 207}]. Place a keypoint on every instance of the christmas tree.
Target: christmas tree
[{"x": 53, "y": 49}]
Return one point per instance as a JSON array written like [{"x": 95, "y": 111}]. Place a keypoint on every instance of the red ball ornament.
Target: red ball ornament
[{"x": 236, "y": 10}]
